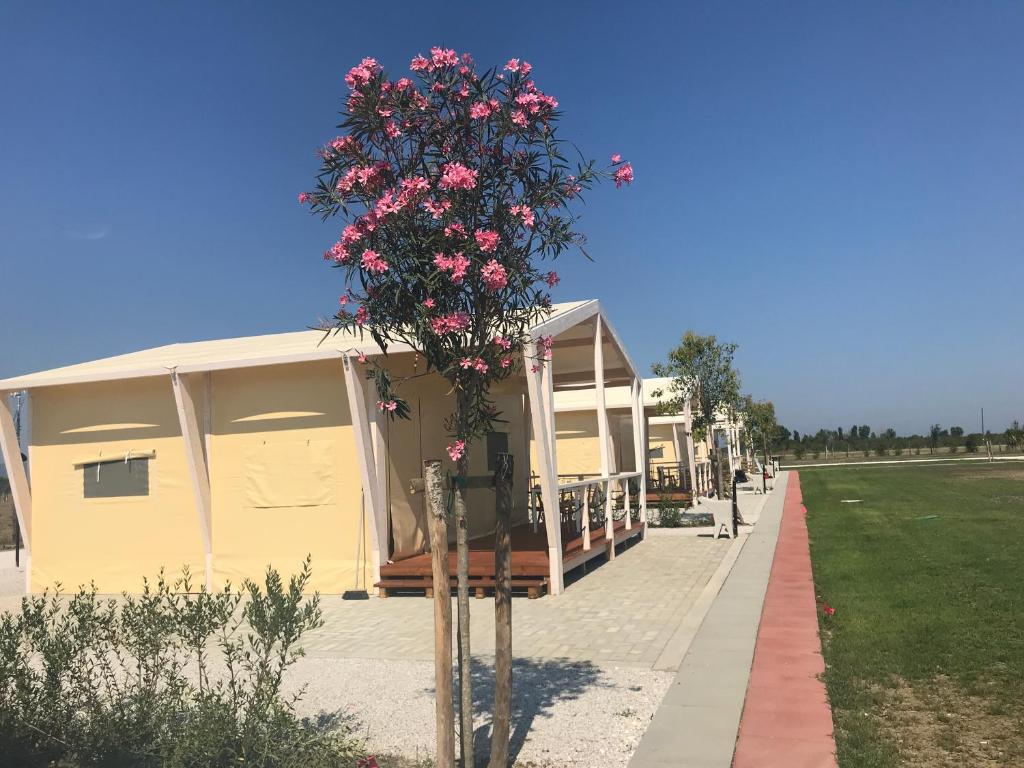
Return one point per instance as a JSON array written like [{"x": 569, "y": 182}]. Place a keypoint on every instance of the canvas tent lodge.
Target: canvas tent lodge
[
  {"x": 228, "y": 456},
  {"x": 674, "y": 462}
]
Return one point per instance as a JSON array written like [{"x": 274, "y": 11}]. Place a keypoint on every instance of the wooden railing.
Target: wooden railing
[{"x": 591, "y": 501}]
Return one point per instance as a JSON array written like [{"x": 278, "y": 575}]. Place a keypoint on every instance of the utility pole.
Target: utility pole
[{"x": 984, "y": 436}]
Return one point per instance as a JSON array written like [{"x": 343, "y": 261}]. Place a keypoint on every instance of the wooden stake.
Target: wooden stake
[
  {"x": 502, "y": 721},
  {"x": 443, "y": 685}
]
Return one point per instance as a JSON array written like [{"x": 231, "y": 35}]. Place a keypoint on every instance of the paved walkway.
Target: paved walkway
[
  {"x": 624, "y": 612},
  {"x": 787, "y": 721},
  {"x": 697, "y": 722}
]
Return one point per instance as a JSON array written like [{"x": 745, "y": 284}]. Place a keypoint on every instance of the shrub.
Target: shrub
[
  {"x": 670, "y": 517},
  {"x": 130, "y": 682}
]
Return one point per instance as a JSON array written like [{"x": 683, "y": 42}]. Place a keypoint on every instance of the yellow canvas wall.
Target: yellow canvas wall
[
  {"x": 425, "y": 436},
  {"x": 577, "y": 448},
  {"x": 284, "y": 476},
  {"x": 660, "y": 437},
  {"x": 112, "y": 542}
]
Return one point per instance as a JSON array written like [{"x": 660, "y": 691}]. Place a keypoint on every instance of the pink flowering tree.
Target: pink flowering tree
[{"x": 457, "y": 195}]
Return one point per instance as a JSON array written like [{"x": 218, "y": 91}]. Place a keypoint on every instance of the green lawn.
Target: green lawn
[{"x": 925, "y": 654}]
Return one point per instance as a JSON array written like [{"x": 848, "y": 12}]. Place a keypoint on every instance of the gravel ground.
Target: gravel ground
[{"x": 566, "y": 714}]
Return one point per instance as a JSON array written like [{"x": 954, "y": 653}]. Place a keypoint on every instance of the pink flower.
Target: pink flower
[
  {"x": 512, "y": 66},
  {"x": 344, "y": 144},
  {"x": 350, "y": 235},
  {"x": 362, "y": 315},
  {"x": 457, "y": 176},
  {"x": 303, "y": 198},
  {"x": 456, "y": 264},
  {"x": 373, "y": 263},
  {"x": 623, "y": 174},
  {"x": 474, "y": 363},
  {"x": 553, "y": 279},
  {"x": 494, "y": 275},
  {"x": 481, "y": 110},
  {"x": 519, "y": 118},
  {"x": 456, "y": 322},
  {"x": 487, "y": 240},
  {"x": 360, "y": 75},
  {"x": 343, "y": 300},
  {"x": 535, "y": 367},
  {"x": 828, "y": 610},
  {"x": 524, "y": 212},
  {"x": 391, "y": 130},
  {"x": 455, "y": 228},
  {"x": 544, "y": 345},
  {"x": 429, "y": 303},
  {"x": 387, "y": 405},
  {"x": 436, "y": 209},
  {"x": 362, "y": 357},
  {"x": 506, "y": 361},
  {"x": 443, "y": 57},
  {"x": 456, "y": 449},
  {"x": 419, "y": 63},
  {"x": 502, "y": 342},
  {"x": 338, "y": 254},
  {"x": 616, "y": 159}
]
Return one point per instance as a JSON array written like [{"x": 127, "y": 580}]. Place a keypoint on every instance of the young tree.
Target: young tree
[
  {"x": 455, "y": 188},
  {"x": 701, "y": 367},
  {"x": 759, "y": 418},
  {"x": 934, "y": 433}
]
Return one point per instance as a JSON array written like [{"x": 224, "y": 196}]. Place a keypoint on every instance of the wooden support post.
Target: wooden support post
[
  {"x": 585, "y": 506},
  {"x": 543, "y": 430},
  {"x": 504, "y": 503},
  {"x": 10, "y": 448},
  {"x": 443, "y": 683},
  {"x": 368, "y": 464},
  {"x": 186, "y": 394}
]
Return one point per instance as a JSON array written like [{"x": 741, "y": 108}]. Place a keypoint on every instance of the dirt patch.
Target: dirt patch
[{"x": 938, "y": 725}]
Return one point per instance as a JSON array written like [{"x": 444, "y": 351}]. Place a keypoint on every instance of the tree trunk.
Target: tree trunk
[
  {"x": 462, "y": 573},
  {"x": 444, "y": 701},
  {"x": 502, "y": 721},
  {"x": 718, "y": 463}
]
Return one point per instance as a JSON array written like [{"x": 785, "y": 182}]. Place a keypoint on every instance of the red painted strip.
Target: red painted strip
[{"x": 787, "y": 721}]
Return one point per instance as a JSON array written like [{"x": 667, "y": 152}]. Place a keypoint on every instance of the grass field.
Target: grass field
[{"x": 925, "y": 653}]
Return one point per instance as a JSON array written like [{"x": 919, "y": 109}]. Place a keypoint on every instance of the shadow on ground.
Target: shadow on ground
[{"x": 537, "y": 685}]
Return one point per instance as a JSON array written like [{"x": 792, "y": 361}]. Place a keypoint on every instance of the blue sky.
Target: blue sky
[{"x": 837, "y": 188}]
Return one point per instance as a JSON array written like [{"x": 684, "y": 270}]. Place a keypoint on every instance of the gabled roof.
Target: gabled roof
[{"x": 300, "y": 346}]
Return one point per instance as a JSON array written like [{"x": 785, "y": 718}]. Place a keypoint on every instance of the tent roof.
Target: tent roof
[
  {"x": 201, "y": 356},
  {"x": 614, "y": 397}
]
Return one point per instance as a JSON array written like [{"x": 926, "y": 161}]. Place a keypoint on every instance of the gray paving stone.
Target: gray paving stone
[{"x": 698, "y": 720}]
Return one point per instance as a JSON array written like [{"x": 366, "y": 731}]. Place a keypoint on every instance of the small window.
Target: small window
[
  {"x": 497, "y": 442},
  {"x": 112, "y": 479}
]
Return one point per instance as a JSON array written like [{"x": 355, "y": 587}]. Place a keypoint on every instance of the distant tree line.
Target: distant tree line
[{"x": 861, "y": 440}]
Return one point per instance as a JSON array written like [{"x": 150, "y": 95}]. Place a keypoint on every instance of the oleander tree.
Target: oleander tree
[{"x": 457, "y": 195}]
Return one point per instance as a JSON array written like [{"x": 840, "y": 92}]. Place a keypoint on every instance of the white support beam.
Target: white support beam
[
  {"x": 691, "y": 453},
  {"x": 603, "y": 433},
  {"x": 640, "y": 448},
  {"x": 543, "y": 418},
  {"x": 368, "y": 468},
  {"x": 20, "y": 491},
  {"x": 186, "y": 394}
]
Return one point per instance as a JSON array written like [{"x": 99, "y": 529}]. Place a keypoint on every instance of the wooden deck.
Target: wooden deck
[{"x": 530, "y": 567}]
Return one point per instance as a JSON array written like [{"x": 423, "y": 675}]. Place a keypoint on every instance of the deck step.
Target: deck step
[{"x": 535, "y": 587}]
